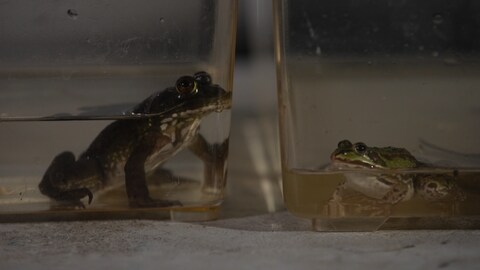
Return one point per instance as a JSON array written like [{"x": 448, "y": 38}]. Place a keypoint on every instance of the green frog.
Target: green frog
[
  {"x": 159, "y": 127},
  {"x": 384, "y": 181}
]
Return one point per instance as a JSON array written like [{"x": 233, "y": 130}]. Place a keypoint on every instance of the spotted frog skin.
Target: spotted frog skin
[
  {"x": 130, "y": 148},
  {"x": 385, "y": 183}
]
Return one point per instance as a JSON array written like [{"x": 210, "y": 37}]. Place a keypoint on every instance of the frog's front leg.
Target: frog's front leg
[
  {"x": 401, "y": 188},
  {"x": 214, "y": 157},
  {"x": 135, "y": 180}
]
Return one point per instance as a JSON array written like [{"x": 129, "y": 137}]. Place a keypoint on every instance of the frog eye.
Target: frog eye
[
  {"x": 203, "y": 77},
  {"x": 186, "y": 85},
  {"x": 344, "y": 144},
  {"x": 360, "y": 147}
]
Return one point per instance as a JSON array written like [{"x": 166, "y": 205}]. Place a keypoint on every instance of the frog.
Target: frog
[
  {"x": 384, "y": 181},
  {"x": 129, "y": 148}
]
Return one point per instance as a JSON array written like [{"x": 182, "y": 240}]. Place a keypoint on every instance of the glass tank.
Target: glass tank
[
  {"x": 379, "y": 106},
  {"x": 114, "y": 109}
]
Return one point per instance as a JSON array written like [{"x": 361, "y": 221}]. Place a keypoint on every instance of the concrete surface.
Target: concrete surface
[{"x": 223, "y": 245}]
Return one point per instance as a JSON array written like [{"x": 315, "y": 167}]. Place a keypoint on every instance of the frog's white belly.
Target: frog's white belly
[{"x": 391, "y": 188}]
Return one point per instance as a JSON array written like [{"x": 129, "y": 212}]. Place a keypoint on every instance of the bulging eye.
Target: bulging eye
[
  {"x": 344, "y": 144},
  {"x": 203, "y": 77},
  {"x": 360, "y": 147},
  {"x": 186, "y": 85}
]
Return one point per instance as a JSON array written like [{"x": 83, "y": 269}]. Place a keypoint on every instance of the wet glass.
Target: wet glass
[
  {"x": 379, "y": 104},
  {"x": 114, "y": 109}
]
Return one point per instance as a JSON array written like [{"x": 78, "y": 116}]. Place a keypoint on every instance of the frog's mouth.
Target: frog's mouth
[
  {"x": 337, "y": 161},
  {"x": 207, "y": 105},
  {"x": 203, "y": 107},
  {"x": 340, "y": 164}
]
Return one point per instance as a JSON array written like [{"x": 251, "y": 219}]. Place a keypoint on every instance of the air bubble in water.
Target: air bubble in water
[
  {"x": 451, "y": 61},
  {"x": 72, "y": 13},
  {"x": 437, "y": 19}
]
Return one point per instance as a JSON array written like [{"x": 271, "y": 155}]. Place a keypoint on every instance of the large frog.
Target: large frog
[
  {"x": 167, "y": 122},
  {"x": 384, "y": 180}
]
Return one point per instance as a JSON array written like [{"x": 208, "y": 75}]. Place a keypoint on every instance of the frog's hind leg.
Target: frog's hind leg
[{"x": 57, "y": 186}]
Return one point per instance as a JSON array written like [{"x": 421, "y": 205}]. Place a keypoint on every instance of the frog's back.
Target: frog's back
[
  {"x": 396, "y": 158},
  {"x": 112, "y": 147}
]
